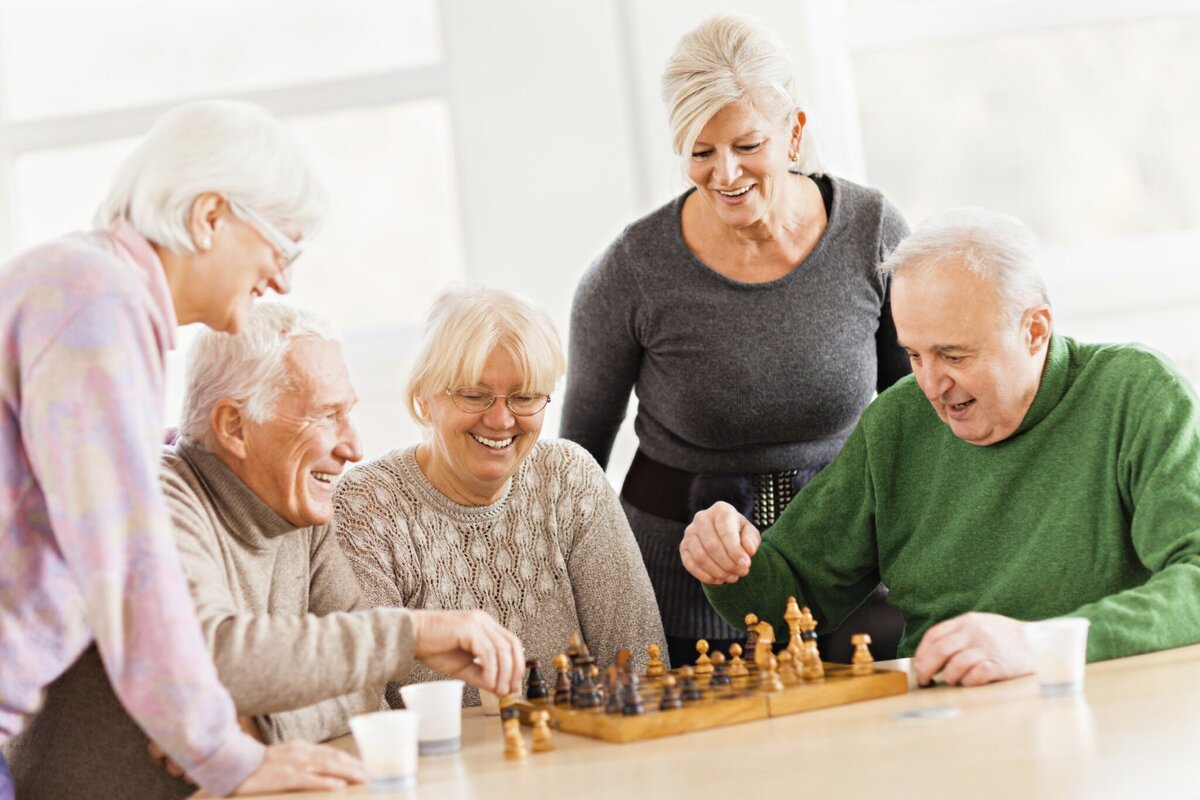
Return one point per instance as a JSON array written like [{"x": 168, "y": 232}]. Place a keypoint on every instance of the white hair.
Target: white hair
[
  {"x": 250, "y": 368},
  {"x": 997, "y": 247},
  {"x": 232, "y": 148},
  {"x": 465, "y": 326},
  {"x": 727, "y": 59}
]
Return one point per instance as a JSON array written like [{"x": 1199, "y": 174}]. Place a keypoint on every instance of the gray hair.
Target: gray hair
[
  {"x": 233, "y": 148},
  {"x": 997, "y": 247},
  {"x": 466, "y": 324},
  {"x": 730, "y": 58},
  {"x": 249, "y": 368}
]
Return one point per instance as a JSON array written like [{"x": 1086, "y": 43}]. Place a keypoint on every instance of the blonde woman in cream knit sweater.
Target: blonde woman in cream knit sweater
[{"x": 484, "y": 515}]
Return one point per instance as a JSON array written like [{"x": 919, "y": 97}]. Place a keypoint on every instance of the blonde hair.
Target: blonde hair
[
  {"x": 731, "y": 58},
  {"x": 465, "y": 326},
  {"x": 236, "y": 149}
]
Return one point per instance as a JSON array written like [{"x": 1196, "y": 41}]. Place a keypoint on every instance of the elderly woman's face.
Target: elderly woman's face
[
  {"x": 243, "y": 264},
  {"x": 739, "y": 164},
  {"x": 471, "y": 456}
]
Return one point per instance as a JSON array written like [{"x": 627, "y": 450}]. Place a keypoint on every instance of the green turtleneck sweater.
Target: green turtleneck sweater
[{"x": 1091, "y": 508}]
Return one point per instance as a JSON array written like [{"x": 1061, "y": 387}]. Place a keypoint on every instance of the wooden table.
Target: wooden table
[{"x": 1133, "y": 733}]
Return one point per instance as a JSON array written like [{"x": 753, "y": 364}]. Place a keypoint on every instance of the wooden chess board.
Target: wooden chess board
[{"x": 741, "y": 702}]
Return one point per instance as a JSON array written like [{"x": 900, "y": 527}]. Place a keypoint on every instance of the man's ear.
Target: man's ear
[
  {"x": 1038, "y": 327},
  {"x": 228, "y": 425}
]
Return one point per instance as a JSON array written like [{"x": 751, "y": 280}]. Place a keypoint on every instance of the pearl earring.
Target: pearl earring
[{"x": 205, "y": 242}]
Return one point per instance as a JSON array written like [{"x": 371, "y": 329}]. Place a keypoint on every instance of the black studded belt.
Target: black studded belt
[{"x": 677, "y": 494}]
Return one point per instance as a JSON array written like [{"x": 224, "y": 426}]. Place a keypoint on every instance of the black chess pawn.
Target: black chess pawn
[
  {"x": 562, "y": 689},
  {"x": 631, "y": 699},
  {"x": 587, "y": 694},
  {"x": 670, "y": 694},
  {"x": 688, "y": 689},
  {"x": 751, "y": 641},
  {"x": 535, "y": 685}
]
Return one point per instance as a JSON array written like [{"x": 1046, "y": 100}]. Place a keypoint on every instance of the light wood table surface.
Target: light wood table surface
[{"x": 1133, "y": 733}]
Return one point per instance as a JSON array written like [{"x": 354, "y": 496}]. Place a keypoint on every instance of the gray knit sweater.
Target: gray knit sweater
[
  {"x": 552, "y": 556},
  {"x": 730, "y": 377}
]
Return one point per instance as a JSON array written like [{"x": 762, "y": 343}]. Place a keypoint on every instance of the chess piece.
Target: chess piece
[
  {"x": 670, "y": 695},
  {"x": 655, "y": 667},
  {"x": 792, "y": 618},
  {"x": 508, "y": 707},
  {"x": 688, "y": 689},
  {"x": 813, "y": 669},
  {"x": 631, "y": 699},
  {"x": 862, "y": 662},
  {"x": 612, "y": 694},
  {"x": 763, "y": 642},
  {"x": 720, "y": 674},
  {"x": 787, "y": 668},
  {"x": 573, "y": 644},
  {"x": 543, "y": 740},
  {"x": 808, "y": 625},
  {"x": 514, "y": 743},
  {"x": 703, "y": 662},
  {"x": 587, "y": 694},
  {"x": 562, "y": 689},
  {"x": 737, "y": 665},
  {"x": 748, "y": 649},
  {"x": 768, "y": 676},
  {"x": 535, "y": 684}
]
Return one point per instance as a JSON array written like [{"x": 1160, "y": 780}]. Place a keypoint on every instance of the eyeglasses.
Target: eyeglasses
[
  {"x": 476, "y": 401},
  {"x": 287, "y": 249}
]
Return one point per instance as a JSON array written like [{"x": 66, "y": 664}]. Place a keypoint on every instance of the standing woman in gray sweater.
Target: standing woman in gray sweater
[{"x": 745, "y": 314}]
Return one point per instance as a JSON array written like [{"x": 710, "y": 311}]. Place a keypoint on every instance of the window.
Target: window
[
  {"x": 1077, "y": 119},
  {"x": 362, "y": 85}
]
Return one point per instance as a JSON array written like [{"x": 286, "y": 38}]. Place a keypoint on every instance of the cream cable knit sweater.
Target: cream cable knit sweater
[{"x": 553, "y": 555}]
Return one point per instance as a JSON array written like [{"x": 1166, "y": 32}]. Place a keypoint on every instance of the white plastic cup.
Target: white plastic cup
[
  {"x": 439, "y": 706},
  {"x": 387, "y": 745},
  {"x": 1059, "y": 648}
]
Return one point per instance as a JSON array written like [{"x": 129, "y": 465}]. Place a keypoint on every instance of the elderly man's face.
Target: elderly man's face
[
  {"x": 293, "y": 457},
  {"x": 978, "y": 366}
]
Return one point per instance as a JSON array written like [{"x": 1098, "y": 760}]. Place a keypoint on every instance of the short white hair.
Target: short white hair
[
  {"x": 731, "y": 58},
  {"x": 465, "y": 326},
  {"x": 232, "y": 148},
  {"x": 997, "y": 247},
  {"x": 249, "y": 368}
]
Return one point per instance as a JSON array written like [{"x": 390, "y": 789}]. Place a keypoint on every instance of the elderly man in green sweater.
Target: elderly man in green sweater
[
  {"x": 1016, "y": 475},
  {"x": 265, "y": 432}
]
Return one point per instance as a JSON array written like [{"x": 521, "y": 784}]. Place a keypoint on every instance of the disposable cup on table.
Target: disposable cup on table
[
  {"x": 1059, "y": 648},
  {"x": 439, "y": 705},
  {"x": 387, "y": 745}
]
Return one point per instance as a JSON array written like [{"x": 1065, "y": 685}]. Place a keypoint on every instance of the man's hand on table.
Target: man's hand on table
[
  {"x": 718, "y": 545},
  {"x": 973, "y": 649},
  {"x": 472, "y": 646}
]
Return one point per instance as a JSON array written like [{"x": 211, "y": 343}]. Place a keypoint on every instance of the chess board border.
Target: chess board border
[{"x": 731, "y": 707}]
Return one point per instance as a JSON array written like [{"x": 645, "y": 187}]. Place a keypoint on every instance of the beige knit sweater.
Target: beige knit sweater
[
  {"x": 293, "y": 639},
  {"x": 553, "y": 555}
]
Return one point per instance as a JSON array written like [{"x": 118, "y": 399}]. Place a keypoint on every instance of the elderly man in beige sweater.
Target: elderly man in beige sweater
[{"x": 265, "y": 433}]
